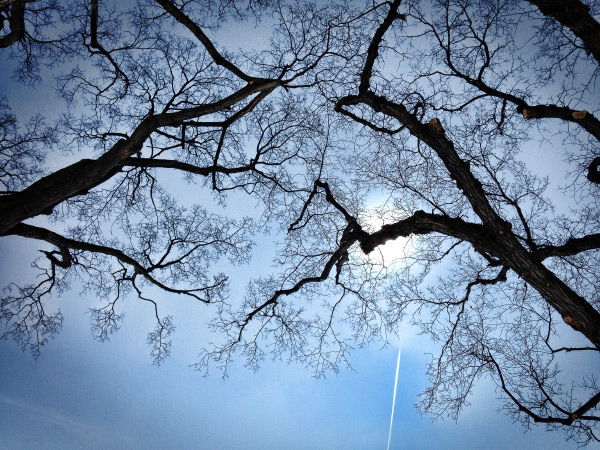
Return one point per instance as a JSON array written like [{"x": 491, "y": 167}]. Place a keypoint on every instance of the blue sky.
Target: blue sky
[
  {"x": 82, "y": 394},
  {"x": 85, "y": 394}
]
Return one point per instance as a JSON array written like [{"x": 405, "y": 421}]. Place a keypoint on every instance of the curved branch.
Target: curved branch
[
  {"x": 94, "y": 44},
  {"x": 436, "y": 139},
  {"x": 373, "y": 51},
  {"x": 577, "y": 414},
  {"x": 33, "y": 232},
  {"x": 584, "y": 119},
  {"x": 574, "y": 15}
]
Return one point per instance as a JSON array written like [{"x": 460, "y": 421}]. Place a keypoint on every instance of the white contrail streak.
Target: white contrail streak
[{"x": 394, "y": 401}]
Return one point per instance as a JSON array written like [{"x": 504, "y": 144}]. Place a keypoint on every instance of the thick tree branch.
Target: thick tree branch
[
  {"x": 574, "y": 15},
  {"x": 373, "y": 51},
  {"x": 431, "y": 135},
  {"x": 17, "y": 23},
  {"x": 185, "y": 167},
  {"x": 584, "y": 119},
  {"x": 573, "y": 246},
  {"x": 501, "y": 243},
  {"x": 79, "y": 178}
]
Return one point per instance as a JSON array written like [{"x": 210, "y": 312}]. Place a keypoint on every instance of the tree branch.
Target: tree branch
[
  {"x": 79, "y": 178},
  {"x": 17, "y": 23},
  {"x": 573, "y": 246},
  {"x": 33, "y": 232},
  {"x": 574, "y": 15},
  {"x": 373, "y": 51},
  {"x": 182, "y": 18}
]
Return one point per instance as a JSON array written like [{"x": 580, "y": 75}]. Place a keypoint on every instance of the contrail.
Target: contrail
[{"x": 394, "y": 401}]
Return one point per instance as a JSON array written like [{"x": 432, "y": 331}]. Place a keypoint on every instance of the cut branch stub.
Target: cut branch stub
[{"x": 437, "y": 125}]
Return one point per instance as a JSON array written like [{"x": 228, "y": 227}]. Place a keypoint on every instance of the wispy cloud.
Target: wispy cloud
[{"x": 56, "y": 417}]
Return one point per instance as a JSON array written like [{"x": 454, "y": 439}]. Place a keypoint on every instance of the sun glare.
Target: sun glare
[{"x": 393, "y": 251}]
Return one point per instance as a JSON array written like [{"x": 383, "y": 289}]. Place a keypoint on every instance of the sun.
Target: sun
[{"x": 393, "y": 252}]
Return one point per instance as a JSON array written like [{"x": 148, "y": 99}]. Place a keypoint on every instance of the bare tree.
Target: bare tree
[{"x": 431, "y": 106}]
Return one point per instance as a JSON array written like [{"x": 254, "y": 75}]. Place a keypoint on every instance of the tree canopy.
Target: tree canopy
[{"x": 349, "y": 125}]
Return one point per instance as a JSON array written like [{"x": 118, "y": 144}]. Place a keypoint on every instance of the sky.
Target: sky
[{"x": 83, "y": 394}]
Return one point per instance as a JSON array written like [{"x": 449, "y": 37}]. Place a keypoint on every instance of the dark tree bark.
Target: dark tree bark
[
  {"x": 16, "y": 22},
  {"x": 575, "y": 16}
]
